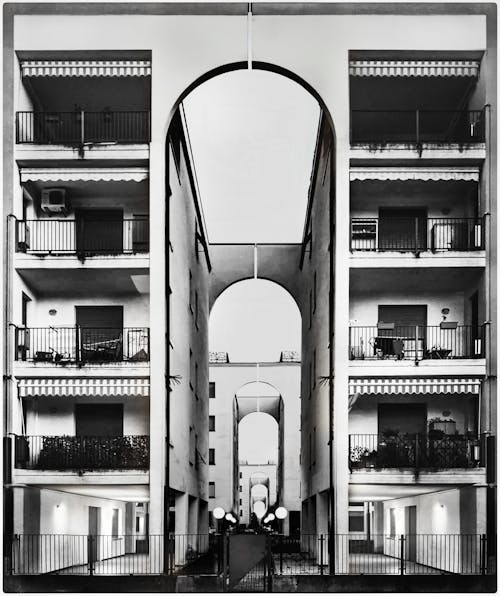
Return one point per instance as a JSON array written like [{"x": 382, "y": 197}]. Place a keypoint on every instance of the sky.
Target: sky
[{"x": 252, "y": 136}]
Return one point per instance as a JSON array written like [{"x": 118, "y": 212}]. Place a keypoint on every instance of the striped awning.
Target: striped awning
[
  {"x": 88, "y": 387},
  {"x": 84, "y": 174},
  {"x": 85, "y": 68},
  {"x": 436, "y": 385},
  {"x": 414, "y": 68},
  {"x": 435, "y": 174}
]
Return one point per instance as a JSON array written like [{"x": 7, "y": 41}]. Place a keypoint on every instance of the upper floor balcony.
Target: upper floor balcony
[
  {"x": 83, "y": 236},
  {"x": 79, "y": 345},
  {"x": 416, "y": 234},
  {"x": 65, "y": 453},
  {"x": 435, "y": 450},
  {"x": 81, "y": 127},
  {"x": 446, "y": 341}
]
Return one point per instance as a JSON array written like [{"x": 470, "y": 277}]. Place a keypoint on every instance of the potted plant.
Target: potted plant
[{"x": 439, "y": 427}]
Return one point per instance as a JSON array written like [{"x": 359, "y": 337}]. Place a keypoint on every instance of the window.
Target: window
[
  {"x": 314, "y": 370},
  {"x": 115, "y": 519},
  {"x": 191, "y": 445},
  {"x": 211, "y": 490},
  {"x": 241, "y": 502},
  {"x": 310, "y": 308},
  {"x": 211, "y": 390},
  {"x": 211, "y": 457},
  {"x": 315, "y": 291},
  {"x": 190, "y": 291},
  {"x": 241, "y": 512},
  {"x": 196, "y": 308},
  {"x": 211, "y": 423},
  {"x": 356, "y": 521},
  {"x": 241, "y": 489},
  {"x": 196, "y": 380},
  {"x": 241, "y": 474}
]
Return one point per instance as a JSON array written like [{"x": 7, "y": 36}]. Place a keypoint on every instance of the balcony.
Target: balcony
[
  {"x": 82, "y": 453},
  {"x": 416, "y": 234},
  {"x": 447, "y": 341},
  {"x": 82, "y": 345},
  {"x": 435, "y": 450},
  {"x": 82, "y": 127},
  {"x": 380, "y": 127},
  {"x": 85, "y": 237}
]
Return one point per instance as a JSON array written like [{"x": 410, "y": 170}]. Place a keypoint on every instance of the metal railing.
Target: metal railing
[
  {"x": 81, "y": 345},
  {"x": 88, "y": 237},
  {"x": 64, "y": 554},
  {"x": 79, "y": 127},
  {"x": 418, "y": 451},
  {"x": 416, "y": 234},
  {"x": 82, "y": 453},
  {"x": 417, "y": 126},
  {"x": 416, "y": 342},
  {"x": 355, "y": 554}
]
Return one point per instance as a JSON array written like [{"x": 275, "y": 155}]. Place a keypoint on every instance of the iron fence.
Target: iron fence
[
  {"x": 435, "y": 450},
  {"x": 82, "y": 453},
  {"x": 447, "y": 340},
  {"x": 417, "y": 126},
  {"x": 79, "y": 127},
  {"x": 82, "y": 236},
  {"x": 416, "y": 234},
  {"x": 353, "y": 554},
  {"x": 82, "y": 345}
]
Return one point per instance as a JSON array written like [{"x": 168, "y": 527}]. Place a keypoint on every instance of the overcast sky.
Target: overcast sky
[{"x": 252, "y": 135}]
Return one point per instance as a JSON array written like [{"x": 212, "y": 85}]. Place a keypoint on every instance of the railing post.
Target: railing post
[
  {"x": 417, "y": 437},
  {"x": 225, "y": 541},
  {"x": 402, "y": 554},
  {"x": 416, "y": 343},
  {"x": 483, "y": 554},
  {"x": 417, "y": 243},
  {"x": 77, "y": 344},
  {"x": 281, "y": 555},
  {"x": 321, "y": 556},
  {"x": 82, "y": 127},
  {"x": 90, "y": 555}
]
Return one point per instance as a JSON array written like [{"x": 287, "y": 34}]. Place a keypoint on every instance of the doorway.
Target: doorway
[
  {"x": 101, "y": 333},
  {"x": 411, "y": 532},
  {"x": 402, "y": 229},
  {"x": 407, "y": 419},
  {"x": 99, "y": 420},
  {"x": 99, "y": 231},
  {"x": 94, "y": 532}
]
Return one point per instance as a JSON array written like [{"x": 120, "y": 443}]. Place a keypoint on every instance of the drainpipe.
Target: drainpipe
[{"x": 331, "y": 521}]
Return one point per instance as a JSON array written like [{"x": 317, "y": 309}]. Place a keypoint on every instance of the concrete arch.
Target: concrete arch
[{"x": 253, "y": 394}]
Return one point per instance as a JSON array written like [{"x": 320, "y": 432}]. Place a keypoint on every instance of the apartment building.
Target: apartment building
[{"x": 110, "y": 278}]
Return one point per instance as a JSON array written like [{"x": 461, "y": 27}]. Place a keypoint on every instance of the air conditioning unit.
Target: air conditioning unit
[{"x": 54, "y": 201}]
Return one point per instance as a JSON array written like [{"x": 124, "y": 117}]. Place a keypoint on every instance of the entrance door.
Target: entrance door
[
  {"x": 99, "y": 420},
  {"x": 94, "y": 531},
  {"x": 101, "y": 333},
  {"x": 411, "y": 532},
  {"x": 402, "y": 418},
  {"x": 99, "y": 231},
  {"x": 295, "y": 523},
  {"x": 402, "y": 229}
]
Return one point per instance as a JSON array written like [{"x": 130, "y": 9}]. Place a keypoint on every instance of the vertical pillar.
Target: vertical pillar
[
  {"x": 378, "y": 526},
  {"x": 157, "y": 313},
  {"x": 322, "y": 524}
]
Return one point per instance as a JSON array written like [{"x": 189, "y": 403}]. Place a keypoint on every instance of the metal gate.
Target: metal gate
[{"x": 248, "y": 564}]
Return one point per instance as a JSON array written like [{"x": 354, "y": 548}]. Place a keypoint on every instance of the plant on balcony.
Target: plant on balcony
[{"x": 440, "y": 427}]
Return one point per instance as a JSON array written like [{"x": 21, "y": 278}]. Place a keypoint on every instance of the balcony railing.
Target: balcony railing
[
  {"x": 205, "y": 554},
  {"x": 82, "y": 345},
  {"x": 414, "y": 451},
  {"x": 416, "y": 234},
  {"x": 79, "y": 127},
  {"x": 82, "y": 453},
  {"x": 416, "y": 342},
  {"x": 417, "y": 126},
  {"x": 83, "y": 237}
]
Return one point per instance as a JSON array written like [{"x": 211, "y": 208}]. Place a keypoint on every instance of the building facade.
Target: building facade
[{"x": 109, "y": 276}]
